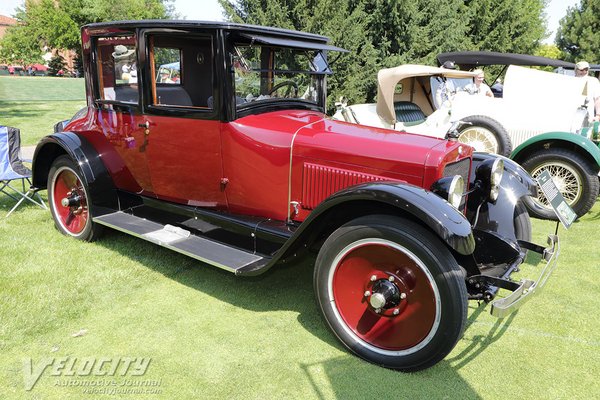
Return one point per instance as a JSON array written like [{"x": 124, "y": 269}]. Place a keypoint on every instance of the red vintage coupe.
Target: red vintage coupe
[{"x": 210, "y": 139}]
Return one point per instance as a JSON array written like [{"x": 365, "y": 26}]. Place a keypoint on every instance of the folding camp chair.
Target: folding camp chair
[{"x": 12, "y": 169}]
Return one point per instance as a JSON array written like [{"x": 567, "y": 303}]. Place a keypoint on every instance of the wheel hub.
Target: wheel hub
[
  {"x": 384, "y": 294},
  {"x": 73, "y": 201}
]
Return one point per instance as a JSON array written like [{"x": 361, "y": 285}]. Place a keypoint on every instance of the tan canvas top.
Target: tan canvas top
[{"x": 388, "y": 78}]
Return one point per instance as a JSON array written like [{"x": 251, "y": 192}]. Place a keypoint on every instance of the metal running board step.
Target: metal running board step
[{"x": 180, "y": 240}]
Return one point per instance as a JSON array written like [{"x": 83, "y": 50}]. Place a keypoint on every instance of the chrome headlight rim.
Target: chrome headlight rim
[
  {"x": 451, "y": 189},
  {"x": 456, "y": 191},
  {"x": 496, "y": 173}
]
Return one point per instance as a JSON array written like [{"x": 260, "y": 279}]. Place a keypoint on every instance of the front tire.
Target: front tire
[
  {"x": 391, "y": 291},
  {"x": 66, "y": 184},
  {"x": 485, "y": 134},
  {"x": 575, "y": 177}
]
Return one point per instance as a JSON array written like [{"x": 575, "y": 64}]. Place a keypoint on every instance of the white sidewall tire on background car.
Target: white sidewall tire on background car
[{"x": 431, "y": 317}]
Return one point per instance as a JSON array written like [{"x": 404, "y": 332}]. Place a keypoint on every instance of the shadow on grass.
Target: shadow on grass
[
  {"x": 15, "y": 109},
  {"x": 289, "y": 287}
]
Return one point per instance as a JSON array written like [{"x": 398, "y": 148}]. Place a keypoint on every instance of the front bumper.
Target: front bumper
[{"x": 527, "y": 289}]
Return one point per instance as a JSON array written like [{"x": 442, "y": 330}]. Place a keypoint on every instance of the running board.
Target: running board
[{"x": 181, "y": 241}]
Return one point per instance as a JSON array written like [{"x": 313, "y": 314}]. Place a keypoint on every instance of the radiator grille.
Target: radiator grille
[
  {"x": 320, "y": 182},
  {"x": 459, "y": 168}
]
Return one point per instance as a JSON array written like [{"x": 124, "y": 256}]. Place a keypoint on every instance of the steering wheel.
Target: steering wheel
[{"x": 292, "y": 87}]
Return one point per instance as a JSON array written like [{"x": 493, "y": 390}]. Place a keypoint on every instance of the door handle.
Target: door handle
[{"x": 146, "y": 126}]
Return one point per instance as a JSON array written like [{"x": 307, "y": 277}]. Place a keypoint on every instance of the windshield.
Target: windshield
[{"x": 264, "y": 74}]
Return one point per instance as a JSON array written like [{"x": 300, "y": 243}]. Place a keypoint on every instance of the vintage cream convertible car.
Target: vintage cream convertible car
[{"x": 540, "y": 122}]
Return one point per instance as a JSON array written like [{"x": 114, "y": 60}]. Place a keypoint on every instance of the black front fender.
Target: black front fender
[
  {"x": 433, "y": 211},
  {"x": 499, "y": 217},
  {"x": 100, "y": 185}
]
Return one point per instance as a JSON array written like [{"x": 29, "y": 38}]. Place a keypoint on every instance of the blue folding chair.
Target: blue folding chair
[{"x": 12, "y": 169}]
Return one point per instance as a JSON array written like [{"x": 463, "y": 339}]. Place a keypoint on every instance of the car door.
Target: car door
[
  {"x": 181, "y": 122},
  {"x": 118, "y": 110}
]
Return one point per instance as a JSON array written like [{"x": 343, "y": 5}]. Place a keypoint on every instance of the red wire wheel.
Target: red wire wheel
[
  {"x": 391, "y": 291},
  {"x": 364, "y": 263}
]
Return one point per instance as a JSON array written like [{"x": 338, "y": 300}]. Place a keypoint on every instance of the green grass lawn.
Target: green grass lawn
[
  {"x": 35, "y": 104},
  {"x": 212, "y": 335}
]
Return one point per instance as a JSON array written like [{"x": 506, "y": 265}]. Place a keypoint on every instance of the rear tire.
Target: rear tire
[
  {"x": 575, "y": 177},
  {"x": 485, "y": 134},
  {"x": 65, "y": 181},
  {"x": 416, "y": 306}
]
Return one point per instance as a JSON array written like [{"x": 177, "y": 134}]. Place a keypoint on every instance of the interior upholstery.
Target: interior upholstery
[{"x": 407, "y": 111}]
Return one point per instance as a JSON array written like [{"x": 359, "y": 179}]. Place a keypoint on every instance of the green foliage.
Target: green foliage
[
  {"x": 387, "y": 33},
  {"x": 56, "y": 23},
  {"x": 56, "y": 64},
  {"x": 515, "y": 26},
  {"x": 579, "y": 33}
]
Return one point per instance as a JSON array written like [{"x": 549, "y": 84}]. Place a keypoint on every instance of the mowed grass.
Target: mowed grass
[
  {"x": 212, "y": 335},
  {"x": 35, "y": 104}
]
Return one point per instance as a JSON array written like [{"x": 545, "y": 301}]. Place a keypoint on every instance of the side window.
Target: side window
[
  {"x": 117, "y": 69},
  {"x": 167, "y": 63},
  {"x": 182, "y": 71}
]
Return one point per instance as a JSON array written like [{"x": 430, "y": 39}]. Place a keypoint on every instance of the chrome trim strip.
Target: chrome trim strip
[{"x": 288, "y": 212}]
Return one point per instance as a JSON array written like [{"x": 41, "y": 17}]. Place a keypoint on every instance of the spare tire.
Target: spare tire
[{"x": 485, "y": 134}]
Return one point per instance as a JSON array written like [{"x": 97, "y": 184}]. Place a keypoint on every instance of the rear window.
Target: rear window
[{"x": 117, "y": 69}]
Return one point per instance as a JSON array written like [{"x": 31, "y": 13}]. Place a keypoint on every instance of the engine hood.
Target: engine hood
[{"x": 387, "y": 153}]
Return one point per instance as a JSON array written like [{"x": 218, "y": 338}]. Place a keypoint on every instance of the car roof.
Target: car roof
[
  {"x": 388, "y": 78},
  {"x": 169, "y": 23},
  {"x": 472, "y": 59}
]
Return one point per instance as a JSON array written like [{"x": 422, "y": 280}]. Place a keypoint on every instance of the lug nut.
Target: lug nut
[
  {"x": 377, "y": 310},
  {"x": 391, "y": 279},
  {"x": 396, "y": 311},
  {"x": 402, "y": 296},
  {"x": 373, "y": 278},
  {"x": 367, "y": 293}
]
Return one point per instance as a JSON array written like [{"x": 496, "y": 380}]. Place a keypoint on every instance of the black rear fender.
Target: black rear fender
[{"x": 101, "y": 187}]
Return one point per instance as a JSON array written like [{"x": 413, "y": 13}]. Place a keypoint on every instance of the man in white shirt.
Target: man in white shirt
[
  {"x": 593, "y": 90},
  {"x": 478, "y": 87}
]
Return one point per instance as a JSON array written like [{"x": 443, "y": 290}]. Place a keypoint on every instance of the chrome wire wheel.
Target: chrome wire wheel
[
  {"x": 566, "y": 178},
  {"x": 481, "y": 139}
]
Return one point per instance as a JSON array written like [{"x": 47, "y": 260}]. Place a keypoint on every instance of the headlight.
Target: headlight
[
  {"x": 489, "y": 174},
  {"x": 450, "y": 188}
]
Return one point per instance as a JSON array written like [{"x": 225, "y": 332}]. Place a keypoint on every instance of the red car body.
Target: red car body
[{"x": 236, "y": 164}]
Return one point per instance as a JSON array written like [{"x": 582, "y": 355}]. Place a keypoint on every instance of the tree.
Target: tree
[
  {"x": 578, "y": 35},
  {"x": 56, "y": 23},
  {"x": 515, "y": 26},
  {"x": 386, "y": 33},
  {"x": 56, "y": 64}
]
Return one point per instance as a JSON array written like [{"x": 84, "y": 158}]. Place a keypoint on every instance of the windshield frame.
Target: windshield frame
[{"x": 274, "y": 104}]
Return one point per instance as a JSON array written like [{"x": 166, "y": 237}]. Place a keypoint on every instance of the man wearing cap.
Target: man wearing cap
[
  {"x": 446, "y": 89},
  {"x": 593, "y": 89}
]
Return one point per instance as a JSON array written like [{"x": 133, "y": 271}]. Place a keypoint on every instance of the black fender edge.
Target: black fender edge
[
  {"x": 99, "y": 182},
  {"x": 437, "y": 214},
  {"x": 498, "y": 217}
]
